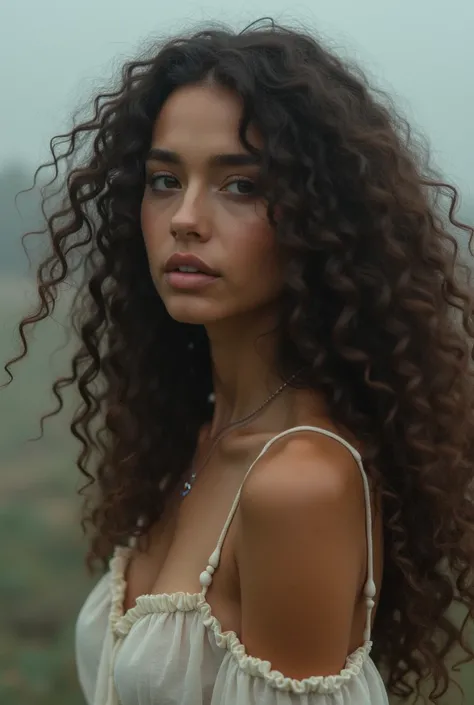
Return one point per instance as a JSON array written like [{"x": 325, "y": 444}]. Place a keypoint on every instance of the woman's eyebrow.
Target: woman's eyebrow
[{"x": 237, "y": 159}]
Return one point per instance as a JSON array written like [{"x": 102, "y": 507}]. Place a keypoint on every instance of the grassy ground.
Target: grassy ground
[
  {"x": 42, "y": 577},
  {"x": 42, "y": 586}
]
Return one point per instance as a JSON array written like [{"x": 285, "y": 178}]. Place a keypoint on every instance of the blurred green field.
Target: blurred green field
[
  {"x": 41, "y": 587},
  {"x": 42, "y": 579}
]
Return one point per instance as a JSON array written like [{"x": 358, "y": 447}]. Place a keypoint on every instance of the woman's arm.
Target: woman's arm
[{"x": 302, "y": 557}]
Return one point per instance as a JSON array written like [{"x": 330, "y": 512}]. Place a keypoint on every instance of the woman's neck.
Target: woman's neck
[{"x": 244, "y": 367}]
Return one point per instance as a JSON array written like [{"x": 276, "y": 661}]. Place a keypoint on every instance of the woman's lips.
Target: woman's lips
[{"x": 189, "y": 280}]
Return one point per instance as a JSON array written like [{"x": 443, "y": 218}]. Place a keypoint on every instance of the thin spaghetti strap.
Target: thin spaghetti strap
[{"x": 369, "y": 587}]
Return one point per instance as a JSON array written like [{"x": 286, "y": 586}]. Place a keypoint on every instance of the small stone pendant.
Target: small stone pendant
[{"x": 188, "y": 485}]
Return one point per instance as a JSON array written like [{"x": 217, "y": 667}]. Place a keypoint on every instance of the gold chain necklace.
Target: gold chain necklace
[{"x": 188, "y": 484}]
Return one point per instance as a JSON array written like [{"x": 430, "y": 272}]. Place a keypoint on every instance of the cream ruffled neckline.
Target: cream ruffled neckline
[{"x": 122, "y": 622}]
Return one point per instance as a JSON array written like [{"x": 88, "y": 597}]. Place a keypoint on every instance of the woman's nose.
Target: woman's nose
[{"x": 191, "y": 218}]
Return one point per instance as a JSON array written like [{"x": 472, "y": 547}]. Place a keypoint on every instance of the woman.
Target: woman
[{"x": 276, "y": 382}]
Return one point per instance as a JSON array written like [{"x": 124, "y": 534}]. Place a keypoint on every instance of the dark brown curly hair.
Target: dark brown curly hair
[{"x": 376, "y": 308}]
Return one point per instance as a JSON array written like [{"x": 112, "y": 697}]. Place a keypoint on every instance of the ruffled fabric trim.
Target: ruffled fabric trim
[
  {"x": 118, "y": 585},
  {"x": 255, "y": 667},
  {"x": 121, "y": 623}
]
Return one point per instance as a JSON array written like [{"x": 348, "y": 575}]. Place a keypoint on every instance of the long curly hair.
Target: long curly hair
[{"x": 376, "y": 309}]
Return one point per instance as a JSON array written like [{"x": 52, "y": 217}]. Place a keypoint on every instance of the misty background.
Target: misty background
[{"x": 54, "y": 56}]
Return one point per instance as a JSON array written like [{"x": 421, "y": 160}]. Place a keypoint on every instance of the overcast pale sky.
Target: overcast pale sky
[{"x": 54, "y": 53}]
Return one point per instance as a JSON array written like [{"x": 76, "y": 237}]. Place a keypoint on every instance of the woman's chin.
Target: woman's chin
[{"x": 187, "y": 312}]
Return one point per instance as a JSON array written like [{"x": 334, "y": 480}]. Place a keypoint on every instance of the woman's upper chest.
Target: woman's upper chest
[{"x": 180, "y": 543}]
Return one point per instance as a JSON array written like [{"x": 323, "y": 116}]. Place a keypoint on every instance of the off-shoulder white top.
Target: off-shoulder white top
[{"x": 171, "y": 650}]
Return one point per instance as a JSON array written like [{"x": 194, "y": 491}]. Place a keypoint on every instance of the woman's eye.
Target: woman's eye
[
  {"x": 166, "y": 182},
  {"x": 162, "y": 182},
  {"x": 243, "y": 187}
]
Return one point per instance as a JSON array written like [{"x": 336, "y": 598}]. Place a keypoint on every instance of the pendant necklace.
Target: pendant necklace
[{"x": 188, "y": 484}]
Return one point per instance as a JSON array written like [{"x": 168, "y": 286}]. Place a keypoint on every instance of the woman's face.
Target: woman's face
[{"x": 201, "y": 200}]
